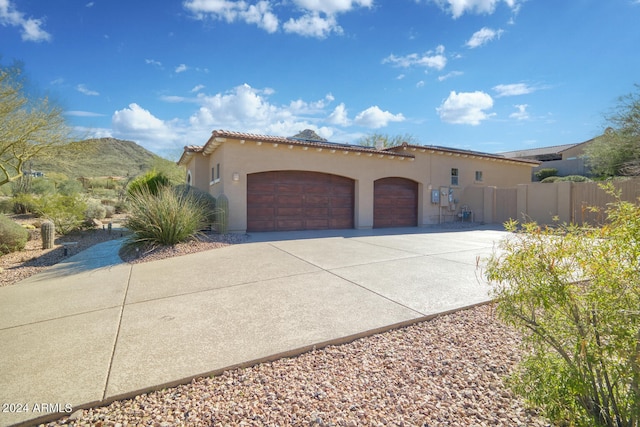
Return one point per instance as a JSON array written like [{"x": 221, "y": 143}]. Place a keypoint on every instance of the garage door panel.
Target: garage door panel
[
  {"x": 342, "y": 202},
  {"x": 261, "y": 187},
  {"x": 395, "y": 203},
  {"x": 289, "y": 225},
  {"x": 289, "y": 201},
  {"x": 298, "y": 200},
  {"x": 289, "y": 188},
  {"x": 316, "y": 200},
  {"x": 292, "y": 212},
  {"x": 260, "y": 199}
]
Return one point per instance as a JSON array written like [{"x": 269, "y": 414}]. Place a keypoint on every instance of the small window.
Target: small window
[
  {"x": 213, "y": 174},
  {"x": 454, "y": 176},
  {"x": 479, "y": 176},
  {"x": 218, "y": 171}
]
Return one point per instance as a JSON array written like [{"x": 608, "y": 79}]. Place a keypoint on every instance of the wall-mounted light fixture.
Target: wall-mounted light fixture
[{"x": 235, "y": 176}]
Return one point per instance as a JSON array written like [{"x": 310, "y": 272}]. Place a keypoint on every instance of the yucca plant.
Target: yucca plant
[{"x": 165, "y": 218}]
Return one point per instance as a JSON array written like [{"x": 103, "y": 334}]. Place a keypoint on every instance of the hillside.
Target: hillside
[{"x": 98, "y": 157}]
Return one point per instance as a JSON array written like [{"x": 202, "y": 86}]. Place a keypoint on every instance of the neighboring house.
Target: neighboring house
[
  {"x": 568, "y": 159},
  {"x": 277, "y": 183}
]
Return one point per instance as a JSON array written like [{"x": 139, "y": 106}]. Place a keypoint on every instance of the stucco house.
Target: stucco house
[{"x": 277, "y": 183}]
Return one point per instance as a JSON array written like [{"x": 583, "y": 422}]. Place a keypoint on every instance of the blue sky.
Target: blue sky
[{"x": 486, "y": 75}]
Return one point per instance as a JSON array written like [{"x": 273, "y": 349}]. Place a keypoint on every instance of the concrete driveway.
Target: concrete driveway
[{"x": 95, "y": 329}]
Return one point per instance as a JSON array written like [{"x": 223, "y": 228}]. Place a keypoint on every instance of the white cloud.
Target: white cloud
[
  {"x": 244, "y": 109},
  {"x": 374, "y": 117},
  {"x": 259, "y": 14},
  {"x": 181, "y": 68},
  {"x": 313, "y": 25},
  {"x": 31, "y": 27},
  {"x": 318, "y": 18},
  {"x": 457, "y": 8},
  {"x": 521, "y": 114},
  {"x": 420, "y": 84},
  {"x": 86, "y": 91},
  {"x": 450, "y": 75},
  {"x": 482, "y": 37},
  {"x": 153, "y": 62},
  {"x": 339, "y": 116},
  {"x": 465, "y": 108},
  {"x": 138, "y": 124},
  {"x": 513, "y": 89},
  {"x": 197, "y": 88},
  {"x": 331, "y": 7},
  {"x": 431, "y": 59}
]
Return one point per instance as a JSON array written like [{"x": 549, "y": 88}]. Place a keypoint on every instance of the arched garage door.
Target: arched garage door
[
  {"x": 395, "y": 203},
  {"x": 299, "y": 200}
]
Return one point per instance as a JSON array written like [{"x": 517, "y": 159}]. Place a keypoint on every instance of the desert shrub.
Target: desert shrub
[
  {"x": 109, "y": 211},
  {"x": 152, "y": 181},
  {"x": 545, "y": 173},
  {"x": 121, "y": 206},
  {"x": 66, "y": 212},
  {"x": 574, "y": 178},
  {"x": 551, "y": 179},
  {"x": 165, "y": 218},
  {"x": 6, "y": 205},
  {"x": 43, "y": 186},
  {"x": 13, "y": 237},
  {"x": 24, "y": 203},
  {"x": 574, "y": 293},
  {"x": 202, "y": 197},
  {"x": 95, "y": 210},
  {"x": 70, "y": 187}
]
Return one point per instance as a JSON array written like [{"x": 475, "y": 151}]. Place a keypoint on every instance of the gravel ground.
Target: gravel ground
[{"x": 444, "y": 372}]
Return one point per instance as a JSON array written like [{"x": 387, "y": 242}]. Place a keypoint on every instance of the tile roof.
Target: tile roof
[
  {"x": 219, "y": 136},
  {"x": 298, "y": 142}
]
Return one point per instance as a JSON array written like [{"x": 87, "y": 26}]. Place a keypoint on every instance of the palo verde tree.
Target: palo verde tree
[
  {"x": 29, "y": 127},
  {"x": 617, "y": 151},
  {"x": 574, "y": 293},
  {"x": 385, "y": 141}
]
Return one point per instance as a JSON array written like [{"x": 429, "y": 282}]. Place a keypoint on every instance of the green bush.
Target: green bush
[
  {"x": 95, "y": 210},
  {"x": 43, "y": 186},
  {"x": 202, "y": 197},
  {"x": 574, "y": 178},
  {"x": 551, "y": 179},
  {"x": 6, "y": 205},
  {"x": 574, "y": 293},
  {"x": 109, "y": 211},
  {"x": 70, "y": 187},
  {"x": 66, "y": 212},
  {"x": 13, "y": 237},
  {"x": 24, "y": 203},
  {"x": 165, "y": 218},
  {"x": 152, "y": 181},
  {"x": 545, "y": 173}
]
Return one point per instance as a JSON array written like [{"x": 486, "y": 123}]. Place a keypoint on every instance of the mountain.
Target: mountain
[
  {"x": 97, "y": 157},
  {"x": 309, "y": 135}
]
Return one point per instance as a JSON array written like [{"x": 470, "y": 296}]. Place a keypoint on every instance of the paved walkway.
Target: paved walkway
[{"x": 94, "y": 329}]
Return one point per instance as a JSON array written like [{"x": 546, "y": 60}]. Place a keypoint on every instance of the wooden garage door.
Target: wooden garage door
[
  {"x": 395, "y": 203},
  {"x": 298, "y": 200}
]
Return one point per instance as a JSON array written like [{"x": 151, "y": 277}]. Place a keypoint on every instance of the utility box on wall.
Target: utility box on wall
[{"x": 435, "y": 197}]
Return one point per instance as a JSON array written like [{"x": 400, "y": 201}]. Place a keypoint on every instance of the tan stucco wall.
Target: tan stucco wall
[{"x": 430, "y": 169}]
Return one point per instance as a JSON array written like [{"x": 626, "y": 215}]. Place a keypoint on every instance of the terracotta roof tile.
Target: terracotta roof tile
[{"x": 300, "y": 142}]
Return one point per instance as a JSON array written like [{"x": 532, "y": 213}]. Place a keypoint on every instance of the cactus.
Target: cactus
[
  {"x": 222, "y": 214},
  {"x": 48, "y": 231}
]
